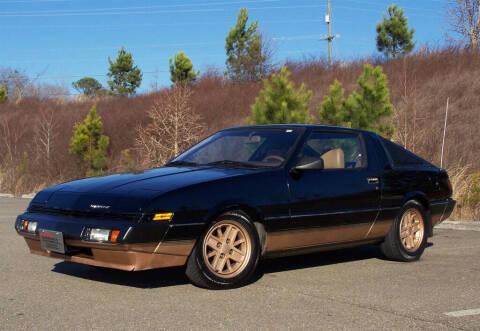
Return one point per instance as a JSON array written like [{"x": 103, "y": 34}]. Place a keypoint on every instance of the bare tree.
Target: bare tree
[
  {"x": 464, "y": 20},
  {"x": 45, "y": 91},
  {"x": 267, "y": 49},
  {"x": 10, "y": 138},
  {"x": 173, "y": 127},
  {"x": 11, "y": 163},
  {"x": 407, "y": 117},
  {"x": 19, "y": 84},
  {"x": 45, "y": 134},
  {"x": 15, "y": 81}
]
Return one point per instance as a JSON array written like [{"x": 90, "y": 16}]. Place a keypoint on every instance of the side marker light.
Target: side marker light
[{"x": 163, "y": 216}]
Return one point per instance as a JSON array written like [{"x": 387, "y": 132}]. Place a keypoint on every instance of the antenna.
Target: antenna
[{"x": 444, "y": 130}]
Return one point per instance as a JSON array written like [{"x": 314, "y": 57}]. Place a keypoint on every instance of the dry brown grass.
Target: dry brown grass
[
  {"x": 419, "y": 87},
  {"x": 459, "y": 177}
]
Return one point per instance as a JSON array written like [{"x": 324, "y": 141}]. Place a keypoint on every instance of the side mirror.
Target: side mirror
[{"x": 297, "y": 171}]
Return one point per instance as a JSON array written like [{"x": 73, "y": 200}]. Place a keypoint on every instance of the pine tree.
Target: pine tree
[
  {"x": 393, "y": 36},
  {"x": 332, "y": 110},
  {"x": 181, "y": 69},
  {"x": 280, "y": 102},
  {"x": 126, "y": 77},
  {"x": 246, "y": 57},
  {"x": 88, "y": 86},
  {"x": 365, "y": 109},
  {"x": 89, "y": 145},
  {"x": 371, "y": 105}
]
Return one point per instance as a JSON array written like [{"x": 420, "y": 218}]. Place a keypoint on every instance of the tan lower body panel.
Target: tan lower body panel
[
  {"x": 380, "y": 229},
  {"x": 315, "y": 238},
  {"x": 127, "y": 257}
]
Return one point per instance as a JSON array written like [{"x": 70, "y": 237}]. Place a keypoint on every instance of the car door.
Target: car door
[{"x": 338, "y": 203}]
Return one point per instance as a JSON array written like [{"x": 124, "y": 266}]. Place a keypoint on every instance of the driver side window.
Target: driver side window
[{"x": 337, "y": 150}]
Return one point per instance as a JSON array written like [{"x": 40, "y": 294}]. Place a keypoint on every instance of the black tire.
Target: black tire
[
  {"x": 394, "y": 247},
  {"x": 203, "y": 275}
]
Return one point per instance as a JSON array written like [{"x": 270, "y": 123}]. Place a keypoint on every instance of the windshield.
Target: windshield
[{"x": 249, "y": 147}]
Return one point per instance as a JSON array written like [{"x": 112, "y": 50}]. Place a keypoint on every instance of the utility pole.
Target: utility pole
[{"x": 329, "y": 37}]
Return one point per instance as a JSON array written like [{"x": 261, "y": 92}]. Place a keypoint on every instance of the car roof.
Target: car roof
[{"x": 307, "y": 126}]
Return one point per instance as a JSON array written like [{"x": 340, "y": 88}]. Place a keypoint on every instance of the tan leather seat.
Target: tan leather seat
[{"x": 333, "y": 159}]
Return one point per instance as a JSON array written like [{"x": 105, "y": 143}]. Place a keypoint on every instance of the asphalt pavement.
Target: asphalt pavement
[{"x": 347, "y": 289}]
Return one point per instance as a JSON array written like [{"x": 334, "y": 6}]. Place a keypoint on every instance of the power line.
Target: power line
[
  {"x": 298, "y": 37},
  {"x": 128, "y": 10},
  {"x": 156, "y": 71},
  {"x": 381, "y": 4},
  {"x": 81, "y": 26},
  {"x": 378, "y": 11},
  {"x": 94, "y": 10},
  {"x": 199, "y": 43},
  {"x": 158, "y": 11},
  {"x": 31, "y": 1},
  {"x": 101, "y": 75}
]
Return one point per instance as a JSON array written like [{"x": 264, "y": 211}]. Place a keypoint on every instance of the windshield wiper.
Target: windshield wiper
[
  {"x": 181, "y": 163},
  {"x": 232, "y": 164}
]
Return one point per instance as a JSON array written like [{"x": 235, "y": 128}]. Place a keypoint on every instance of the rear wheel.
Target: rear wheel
[
  {"x": 226, "y": 255},
  {"x": 406, "y": 240}
]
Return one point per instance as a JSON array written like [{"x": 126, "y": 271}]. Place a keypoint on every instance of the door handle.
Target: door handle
[{"x": 372, "y": 180}]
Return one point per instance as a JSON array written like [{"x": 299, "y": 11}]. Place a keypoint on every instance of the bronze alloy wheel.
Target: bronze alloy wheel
[
  {"x": 412, "y": 229},
  {"x": 227, "y": 249}
]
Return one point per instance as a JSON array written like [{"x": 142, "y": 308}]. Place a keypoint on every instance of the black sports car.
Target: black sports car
[{"x": 243, "y": 194}]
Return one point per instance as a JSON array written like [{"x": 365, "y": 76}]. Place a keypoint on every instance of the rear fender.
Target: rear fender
[{"x": 422, "y": 199}]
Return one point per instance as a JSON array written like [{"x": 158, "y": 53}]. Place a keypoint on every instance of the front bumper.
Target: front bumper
[{"x": 141, "y": 246}]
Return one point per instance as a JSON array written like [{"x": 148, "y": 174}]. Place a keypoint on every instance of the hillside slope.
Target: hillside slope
[{"x": 419, "y": 85}]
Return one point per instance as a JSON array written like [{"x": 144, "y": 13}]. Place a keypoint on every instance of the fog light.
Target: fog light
[{"x": 99, "y": 234}]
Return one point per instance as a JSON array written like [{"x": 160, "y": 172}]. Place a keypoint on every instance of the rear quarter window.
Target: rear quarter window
[{"x": 400, "y": 156}]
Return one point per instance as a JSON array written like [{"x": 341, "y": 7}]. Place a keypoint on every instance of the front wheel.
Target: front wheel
[
  {"x": 226, "y": 255},
  {"x": 406, "y": 240}
]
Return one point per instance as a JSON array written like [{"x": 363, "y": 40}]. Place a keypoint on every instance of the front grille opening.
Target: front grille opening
[
  {"x": 79, "y": 251},
  {"x": 132, "y": 217}
]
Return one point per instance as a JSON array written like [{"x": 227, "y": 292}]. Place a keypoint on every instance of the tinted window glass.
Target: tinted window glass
[
  {"x": 256, "y": 146},
  {"x": 338, "y": 150},
  {"x": 400, "y": 156}
]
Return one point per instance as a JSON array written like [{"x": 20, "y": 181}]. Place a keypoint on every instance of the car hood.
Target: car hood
[{"x": 127, "y": 193}]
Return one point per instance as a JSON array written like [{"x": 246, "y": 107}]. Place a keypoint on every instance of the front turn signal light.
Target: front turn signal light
[
  {"x": 114, "y": 235},
  {"x": 28, "y": 226},
  {"x": 100, "y": 235},
  {"x": 163, "y": 216}
]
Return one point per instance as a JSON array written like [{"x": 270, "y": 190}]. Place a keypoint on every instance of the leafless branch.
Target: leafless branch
[
  {"x": 173, "y": 127},
  {"x": 10, "y": 137},
  {"x": 45, "y": 134},
  {"x": 464, "y": 20}
]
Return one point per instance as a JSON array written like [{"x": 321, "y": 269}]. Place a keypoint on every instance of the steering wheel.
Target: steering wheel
[{"x": 273, "y": 158}]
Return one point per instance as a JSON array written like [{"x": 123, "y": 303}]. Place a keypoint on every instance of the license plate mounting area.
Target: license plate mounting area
[{"x": 52, "y": 241}]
